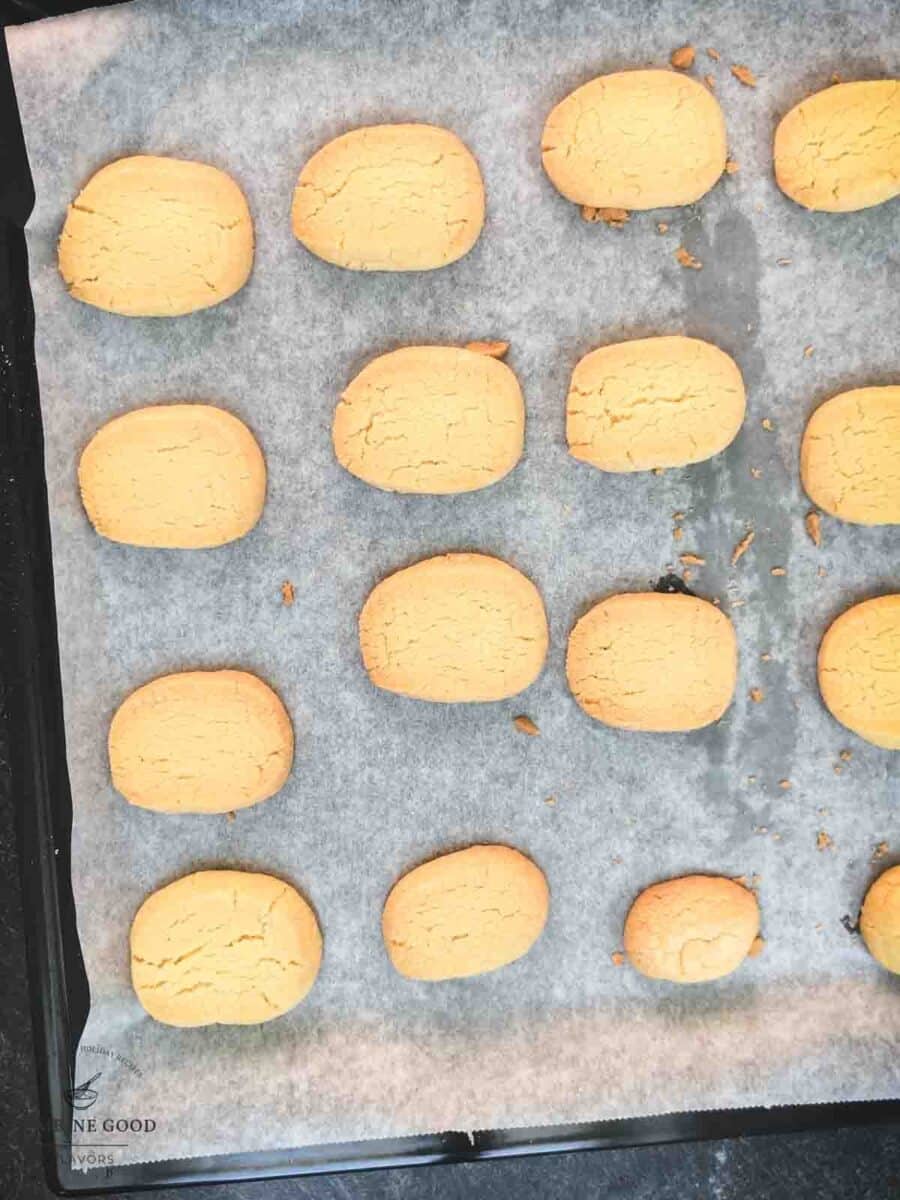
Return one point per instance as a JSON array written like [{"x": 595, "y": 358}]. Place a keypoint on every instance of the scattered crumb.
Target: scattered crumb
[
  {"x": 836, "y": 78},
  {"x": 778, "y": 571},
  {"x": 677, "y": 533},
  {"x": 230, "y": 816},
  {"x": 818, "y": 926},
  {"x": 678, "y": 516},
  {"x": 686, "y": 259},
  {"x": 776, "y": 837},
  {"x": 845, "y": 755},
  {"x": 821, "y": 572},
  {"x": 761, "y": 829},
  {"x": 767, "y": 424},
  {"x": 693, "y": 560},
  {"x": 813, "y": 523},
  {"x": 738, "y": 603},
  {"x": 743, "y": 74},
  {"x": 526, "y": 725},
  {"x": 662, "y": 227},
  {"x": 824, "y": 841},
  {"x": 766, "y": 657},
  {"x": 710, "y": 82},
  {"x": 683, "y": 58},
  {"x": 880, "y": 851},
  {"x": 808, "y": 351},
  {"x": 617, "y": 859},
  {"x": 784, "y": 784},
  {"x": 615, "y": 218},
  {"x": 687, "y": 574},
  {"x": 757, "y": 695},
  {"x": 837, "y": 768},
  {"x": 756, "y": 472},
  {"x": 618, "y": 958},
  {"x": 713, "y": 54},
  {"x": 491, "y": 349},
  {"x": 287, "y": 593},
  {"x": 783, "y": 262},
  {"x": 751, "y": 779},
  {"x": 742, "y": 547},
  {"x": 732, "y": 166},
  {"x": 551, "y": 800},
  {"x": 756, "y": 947}
]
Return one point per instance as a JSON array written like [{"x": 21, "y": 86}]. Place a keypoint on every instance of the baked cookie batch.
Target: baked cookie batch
[{"x": 154, "y": 237}]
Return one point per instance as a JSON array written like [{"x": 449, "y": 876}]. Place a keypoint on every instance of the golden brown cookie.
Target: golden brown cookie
[
  {"x": 879, "y": 921},
  {"x": 692, "y": 929},
  {"x": 390, "y": 198},
  {"x": 859, "y": 670},
  {"x": 200, "y": 742},
  {"x": 460, "y": 627},
  {"x": 157, "y": 237},
  {"x": 465, "y": 913},
  {"x": 655, "y": 662},
  {"x": 655, "y": 402},
  {"x": 223, "y": 948}
]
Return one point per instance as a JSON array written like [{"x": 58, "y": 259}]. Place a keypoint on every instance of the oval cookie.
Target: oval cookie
[
  {"x": 157, "y": 237},
  {"x": 692, "y": 929},
  {"x": 431, "y": 419},
  {"x": 465, "y": 913},
  {"x": 656, "y": 402},
  {"x": 879, "y": 921},
  {"x": 859, "y": 670},
  {"x": 839, "y": 150},
  {"x": 175, "y": 475},
  {"x": 223, "y": 948},
  {"x": 635, "y": 140},
  {"x": 655, "y": 662},
  {"x": 200, "y": 742},
  {"x": 390, "y": 198},
  {"x": 460, "y": 627},
  {"x": 850, "y": 456}
]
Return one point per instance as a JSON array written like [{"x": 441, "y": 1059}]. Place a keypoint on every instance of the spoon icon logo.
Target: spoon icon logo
[{"x": 84, "y": 1095}]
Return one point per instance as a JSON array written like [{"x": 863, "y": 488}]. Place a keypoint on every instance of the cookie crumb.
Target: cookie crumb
[
  {"x": 686, "y": 259},
  {"x": 880, "y": 851},
  {"x": 526, "y": 725},
  {"x": 783, "y": 262},
  {"x": 757, "y": 695},
  {"x": 743, "y": 74},
  {"x": 287, "y": 593},
  {"x": 836, "y": 78},
  {"x": 756, "y": 472},
  {"x": 615, "y": 218},
  {"x": 687, "y": 574},
  {"x": 837, "y": 768},
  {"x": 824, "y": 841},
  {"x": 662, "y": 227},
  {"x": 821, "y": 572},
  {"x": 491, "y": 349},
  {"x": 767, "y": 424},
  {"x": 693, "y": 560},
  {"x": 845, "y": 755},
  {"x": 618, "y": 958},
  {"x": 710, "y": 82},
  {"x": 713, "y": 54},
  {"x": 813, "y": 524},
  {"x": 756, "y": 947},
  {"x": 778, "y": 571},
  {"x": 683, "y": 58},
  {"x": 785, "y": 785},
  {"x": 678, "y": 516},
  {"x": 732, "y": 166},
  {"x": 808, "y": 351},
  {"x": 742, "y": 547},
  {"x": 551, "y": 800},
  {"x": 677, "y": 533}
]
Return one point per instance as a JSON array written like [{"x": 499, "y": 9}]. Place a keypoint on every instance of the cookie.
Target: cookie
[
  {"x": 390, "y": 198},
  {"x": 850, "y": 456},
  {"x": 839, "y": 150},
  {"x": 176, "y": 475},
  {"x": 859, "y": 670},
  {"x": 431, "y": 419},
  {"x": 692, "y": 929},
  {"x": 655, "y": 402},
  {"x": 223, "y": 948},
  {"x": 635, "y": 140},
  {"x": 652, "y": 661},
  {"x": 157, "y": 237},
  {"x": 465, "y": 913},
  {"x": 200, "y": 742},
  {"x": 879, "y": 921},
  {"x": 460, "y": 627}
]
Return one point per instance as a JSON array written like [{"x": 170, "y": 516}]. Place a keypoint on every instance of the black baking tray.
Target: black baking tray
[{"x": 31, "y": 703}]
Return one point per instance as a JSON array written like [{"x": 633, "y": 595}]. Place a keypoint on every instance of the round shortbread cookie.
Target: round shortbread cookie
[
  {"x": 839, "y": 149},
  {"x": 176, "y": 475},
  {"x": 390, "y": 198},
  {"x": 879, "y": 921},
  {"x": 635, "y": 140},
  {"x": 157, "y": 237},
  {"x": 223, "y": 948},
  {"x": 200, "y": 742},
  {"x": 465, "y": 913},
  {"x": 692, "y": 929},
  {"x": 460, "y": 627},
  {"x": 655, "y": 402},
  {"x": 654, "y": 662},
  {"x": 859, "y": 670},
  {"x": 431, "y": 419},
  {"x": 850, "y": 456}
]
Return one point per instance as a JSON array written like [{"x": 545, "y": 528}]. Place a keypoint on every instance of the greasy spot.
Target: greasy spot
[{"x": 859, "y": 670}]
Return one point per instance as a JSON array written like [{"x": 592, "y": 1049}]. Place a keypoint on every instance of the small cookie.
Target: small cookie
[
  {"x": 635, "y": 140},
  {"x": 692, "y": 929},
  {"x": 200, "y": 742},
  {"x": 839, "y": 150},
  {"x": 859, "y": 670},
  {"x": 390, "y": 198},
  {"x": 850, "y": 456},
  {"x": 460, "y": 627},
  {"x": 654, "y": 662},
  {"x": 879, "y": 921},
  {"x": 655, "y": 402},
  {"x": 223, "y": 948},
  {"x": 176, "y": 475},
  {"x": 465, "y": 913},
  {"x": 431, "y": 419},
  {"x": 157, "y": 237}
]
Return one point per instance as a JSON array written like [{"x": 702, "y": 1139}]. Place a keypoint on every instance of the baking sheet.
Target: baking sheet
[{"x": 380, "y": 783}]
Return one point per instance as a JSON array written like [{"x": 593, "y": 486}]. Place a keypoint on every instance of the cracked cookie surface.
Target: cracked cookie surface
[
  {"x": 653, "y": 662},
  {"x": 200, "y": 742},
  {"x": 431, "y": 419},
  {"x": 456, "y": 628},
  {"x": 850, "y": 456},
  {"x": 156, "y": 237},
  {"x": 879, "y": 921},
  {"x": 653, "y": 402},
  {"x": 183, "y": 476},
  {"x": 859, "y": 670},
  {"x": 465, "y": 913},
  {"x": 390, "y": 198},
  {"x": 692, "y": 929},
  {"x": 223, "y": 948},
  {"x": 635, "y": 140},
  {"x": 839, "y": 149}
]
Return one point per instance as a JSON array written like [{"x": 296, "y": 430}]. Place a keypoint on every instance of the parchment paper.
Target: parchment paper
[{"x": 381, "y": 783}]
